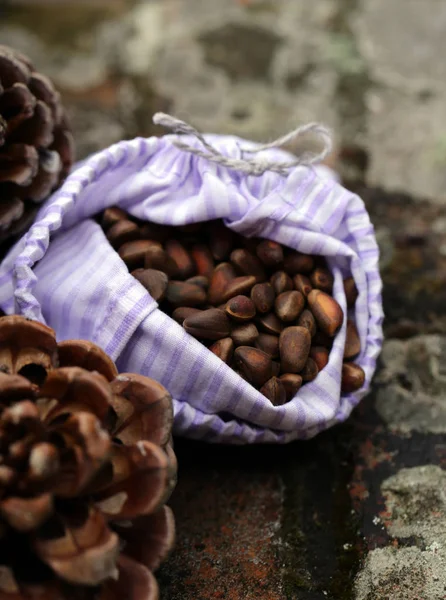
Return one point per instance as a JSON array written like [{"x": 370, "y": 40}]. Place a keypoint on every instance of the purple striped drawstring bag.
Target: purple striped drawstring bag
[{"x": 64, "y": 272}]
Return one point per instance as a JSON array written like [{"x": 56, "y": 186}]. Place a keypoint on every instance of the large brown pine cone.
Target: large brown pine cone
[
  {"x": 36, "y": 146},
  {"x": 86, "y": 465}
]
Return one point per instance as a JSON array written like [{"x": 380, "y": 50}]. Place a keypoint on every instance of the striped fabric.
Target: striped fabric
[{"x": 64, "y": 273}]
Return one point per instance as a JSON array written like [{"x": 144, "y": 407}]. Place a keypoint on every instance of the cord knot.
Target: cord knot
[{"x": 251, "y": 166}]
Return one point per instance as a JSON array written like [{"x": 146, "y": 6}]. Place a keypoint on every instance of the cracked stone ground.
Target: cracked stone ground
[{"x": 359, "y": 513}]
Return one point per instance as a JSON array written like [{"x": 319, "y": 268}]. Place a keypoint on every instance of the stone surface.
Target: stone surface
[
  {"x": 400, "y": 43},
  {"x": 412, "y": 384},
  {"x": 415, "y": 510},
  {"x": 371, "y": 69},
  {"x": 265, "y": 522},
  {"x": 233, "y": 544},
  {"x": 402, "y": 574},
  {"x": 412, "y": 237},
  {"x": 416, "y": 505}
]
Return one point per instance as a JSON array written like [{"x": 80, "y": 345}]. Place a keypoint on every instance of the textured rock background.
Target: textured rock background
[
  {"x": 359, "y": 513},
  {"x": 371, "y": 69}
]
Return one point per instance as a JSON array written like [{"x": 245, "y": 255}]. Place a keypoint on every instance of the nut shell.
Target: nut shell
[
  {"x": 327, "y": 312},
  {"x": 239, "y": 286},
  {"x": 245, "y": 334},
  {"x": 322, "y": 279},
  {"x": 281, "y": 282},
  {"x": 182, "y": 312},
  {"x": 183, "y": 260},
  {"x": 274, "y": 390},
  {"x": 224, "y": 349},
  {"x": 292, "y": 384},
  {"x": 270, "y": 253},
  {"x": 263, "y": 296},
  {"x": 204, "y": 262},
  {"x": 307, "y": 320},
  {"x": 320, "y": 356},
  {"x": 247, "y": 263},
  {"x": 256, "y": 366},
  {"x": 296, "y": 262},
  {"x": 352, "y": 341},
  {"x": 133, "y": 253},
  {"x": 289, "y": 305},
  {"x": 240, "y": 308},
  {"x": 351, "y": 292},
  {"x": 211, "y": 324},
  {"x": 154, "y": 281},
  {"x": 270, "y": 323},
  {"x": 112, "y": 215},
  {"x": 221, "y": 277},
  {"x": 294, "y": 346},
  {"x": 180, "y": 293},
  {"x": 310, "y": 370},
  {"x": 121, "y": 232},
  {"x": 268, "y": 343},
  {"x": 157, "y": 258},
  {"x": 302, "y": 284},
  {"x": 353, "y": 378}
]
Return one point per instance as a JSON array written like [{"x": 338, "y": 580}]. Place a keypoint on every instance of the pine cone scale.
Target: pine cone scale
[
  {"x": 159, "y": 528},
  {"x": 43, "y": 89},
  {"x": 63, "y": 144},
  {"x": 144, "y": 410},
  {"x": 17, "y": 104},
  {"x": 25, "y": 343},
  {"x": 19, "y": 165},
  {"x": 8, "y": 585},
  {"x": 47, "y": 175},
  {"x": 75, "y": 390},
  {"x": 143, "y": 473},
  {"x": 90, "y": 447},
  {"x": 7, "y": 476},
  {"x": 26, "y": 514},
  {"x": 35, "y": 131},
  {"x": 10, "y": 212},
  {"x": 86, "y": 554},
  {"x": 86, "y": 355},
  {"x": 44, "y": 463},
  {"x": 12, "y": 69},
  {"x": 134, "y": 581}
]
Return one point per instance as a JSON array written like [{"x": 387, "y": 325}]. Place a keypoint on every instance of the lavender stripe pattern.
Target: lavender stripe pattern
[{"x": 63, "y": 272}]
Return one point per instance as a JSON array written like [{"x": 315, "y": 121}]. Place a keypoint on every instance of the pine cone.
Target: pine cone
[
  {"x": 86, "y": 465},
  {"x": 36, "y": 146}
]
